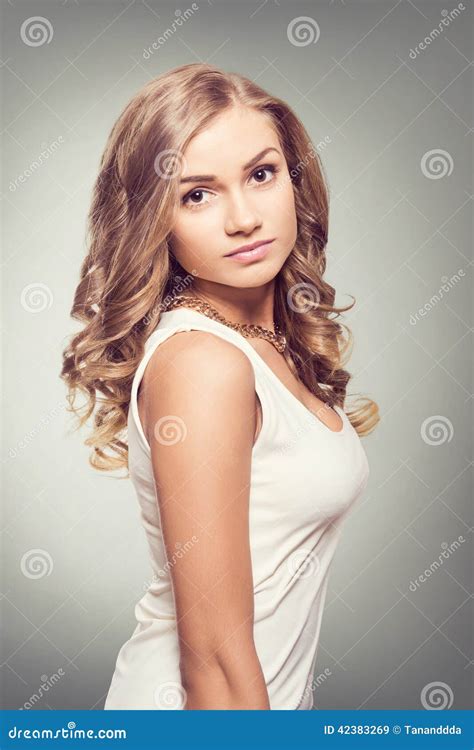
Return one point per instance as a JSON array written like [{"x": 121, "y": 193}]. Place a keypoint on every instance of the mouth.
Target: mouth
[{"x": 254, "y": 251}]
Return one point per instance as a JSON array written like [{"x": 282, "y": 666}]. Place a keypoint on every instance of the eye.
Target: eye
[
  {"x": 193, "y": 194},
  {"x": 267, "y": 168},
  {"x": 193, "y": 199}
]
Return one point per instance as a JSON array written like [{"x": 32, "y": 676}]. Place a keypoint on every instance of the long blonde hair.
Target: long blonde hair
[{"x": 129, "y": 269}]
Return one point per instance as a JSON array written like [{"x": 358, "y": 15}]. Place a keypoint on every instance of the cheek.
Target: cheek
[
  {"x": 194, "y": 224},
  {"x": 284, "y": 207},
  {"x": 283, "y": 195},
  {"x": 189, "y": 231},
  {"x": 192, "y": 244}
]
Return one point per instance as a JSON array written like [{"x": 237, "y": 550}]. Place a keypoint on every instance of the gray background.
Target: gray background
[{"x": 398, "y": 228}]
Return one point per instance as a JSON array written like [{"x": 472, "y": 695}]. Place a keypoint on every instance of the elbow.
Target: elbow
[{"x": 224, "y": 679}]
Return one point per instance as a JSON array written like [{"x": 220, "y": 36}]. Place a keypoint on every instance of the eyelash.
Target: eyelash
[{"x": 270, "y": 167}]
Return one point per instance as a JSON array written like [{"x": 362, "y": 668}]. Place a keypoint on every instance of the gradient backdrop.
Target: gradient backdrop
[{"x": 394, "y": 124}]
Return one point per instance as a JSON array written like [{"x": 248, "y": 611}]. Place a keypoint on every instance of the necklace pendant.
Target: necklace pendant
[{"x": 281, "y": 346}]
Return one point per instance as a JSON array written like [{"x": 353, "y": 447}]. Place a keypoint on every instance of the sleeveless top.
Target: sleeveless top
[{"x": 304, "y": 479}]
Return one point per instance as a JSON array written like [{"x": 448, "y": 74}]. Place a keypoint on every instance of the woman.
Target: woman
[{"x": 222, "y": 366}]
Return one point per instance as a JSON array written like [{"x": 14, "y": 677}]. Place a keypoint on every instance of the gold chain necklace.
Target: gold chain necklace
[{"x": 249, "y": 330}]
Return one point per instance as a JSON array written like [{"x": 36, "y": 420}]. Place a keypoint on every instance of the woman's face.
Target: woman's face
[{"x": 248, "y": 199}]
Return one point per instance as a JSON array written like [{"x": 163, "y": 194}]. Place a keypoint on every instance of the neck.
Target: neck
[{"x": 248, "y": 306}]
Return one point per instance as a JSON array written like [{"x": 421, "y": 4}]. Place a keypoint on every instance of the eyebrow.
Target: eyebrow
[{"x": 213, "y": 178}]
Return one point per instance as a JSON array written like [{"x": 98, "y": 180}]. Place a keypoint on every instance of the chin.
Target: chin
[{"x": 252, "y": 281}]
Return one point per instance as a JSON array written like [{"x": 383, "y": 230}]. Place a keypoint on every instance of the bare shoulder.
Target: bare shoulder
[
  {"x": 199, "y": 374},
  {"x": 200, "y": 355}
]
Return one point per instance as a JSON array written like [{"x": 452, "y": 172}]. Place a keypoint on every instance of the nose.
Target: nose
[{"x": 241, "y": 215}]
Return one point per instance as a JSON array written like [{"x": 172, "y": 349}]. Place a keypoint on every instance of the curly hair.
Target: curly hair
[{"x": 129, "y": 270}]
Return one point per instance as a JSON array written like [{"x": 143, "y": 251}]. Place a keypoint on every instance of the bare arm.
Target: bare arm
[{"x": 206, "y": 385}]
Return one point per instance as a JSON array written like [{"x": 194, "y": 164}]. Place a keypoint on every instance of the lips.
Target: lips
[
  {"x": 252, "y": 256},
  {"x": 246, "y": 248}
]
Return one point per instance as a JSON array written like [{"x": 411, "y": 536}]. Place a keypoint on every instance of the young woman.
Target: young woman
[{"x": 212, "y": 336}]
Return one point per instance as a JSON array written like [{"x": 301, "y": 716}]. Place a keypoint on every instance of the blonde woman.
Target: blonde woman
[{"x": 212, "y": 336}]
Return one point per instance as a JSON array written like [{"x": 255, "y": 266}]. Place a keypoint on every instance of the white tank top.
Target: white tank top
[{"x": 304, "y": 479}]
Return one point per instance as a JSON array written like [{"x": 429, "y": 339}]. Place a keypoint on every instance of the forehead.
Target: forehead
[{"x": 236, "y": 134}]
